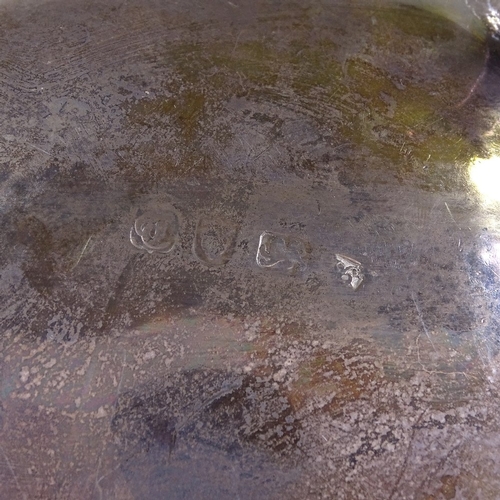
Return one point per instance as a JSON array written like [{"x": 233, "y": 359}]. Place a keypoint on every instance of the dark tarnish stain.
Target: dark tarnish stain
[
  {"x": 345, "y": 377},
  {"x": 230, "y": 414},
  {"x": 40, "y": 268},
  {"x": 115, "y": 301},
  {"x": 448, "y": 489}
]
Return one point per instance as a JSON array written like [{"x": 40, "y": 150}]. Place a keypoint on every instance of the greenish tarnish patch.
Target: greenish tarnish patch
[
  {"x": 402, "y": 117},
  {"x": 246, "y": 347},
  {"x": 254, "y": 61},
  {"x": 315, "y": 66},
  {"x": 416, "y": 22}
]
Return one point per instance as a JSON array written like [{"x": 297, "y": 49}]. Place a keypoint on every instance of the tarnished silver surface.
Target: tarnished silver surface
[{"x": 249, "y": 250}]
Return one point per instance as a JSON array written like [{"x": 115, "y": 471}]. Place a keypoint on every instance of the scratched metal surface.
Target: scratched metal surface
[{"x": 249, "y": 250}]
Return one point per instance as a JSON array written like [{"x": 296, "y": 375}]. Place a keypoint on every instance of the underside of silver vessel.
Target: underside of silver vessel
[{"x": 250, "y": 249}]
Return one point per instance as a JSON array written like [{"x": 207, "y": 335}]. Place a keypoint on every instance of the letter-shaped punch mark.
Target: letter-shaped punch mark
[
  {"x": 214, "y": 242},
  {"x": 281, "y": 250},
  {"x": 155, "y": 231}
]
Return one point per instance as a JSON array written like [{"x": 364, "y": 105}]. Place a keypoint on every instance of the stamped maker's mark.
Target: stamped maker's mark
[
  {"x": 215, "y": 241},
  {"x": 155, "y": 231}
]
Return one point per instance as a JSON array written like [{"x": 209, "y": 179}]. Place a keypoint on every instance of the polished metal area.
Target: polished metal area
[{"x": 249, "y": 250}]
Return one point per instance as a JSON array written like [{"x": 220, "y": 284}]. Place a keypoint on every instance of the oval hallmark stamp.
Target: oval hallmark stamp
[{"x": 214, "y": 241}]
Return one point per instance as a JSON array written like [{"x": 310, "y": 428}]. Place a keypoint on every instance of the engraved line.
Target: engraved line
[
  {"x": 9, "y": 465},
  {"x": 451, "y": 215},
  {"x": 422, "y": 320},
  {"x": 82, "y": 252}
]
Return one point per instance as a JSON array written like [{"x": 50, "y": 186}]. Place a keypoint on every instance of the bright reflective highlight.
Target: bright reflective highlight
[{"x": 485, "y": 175}]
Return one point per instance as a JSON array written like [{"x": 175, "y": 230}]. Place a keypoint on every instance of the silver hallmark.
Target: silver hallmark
[
  {"x": 351, "y": 269},
  {"x": 281, "y": 250},
  {"x": 155, "y": 231}
]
